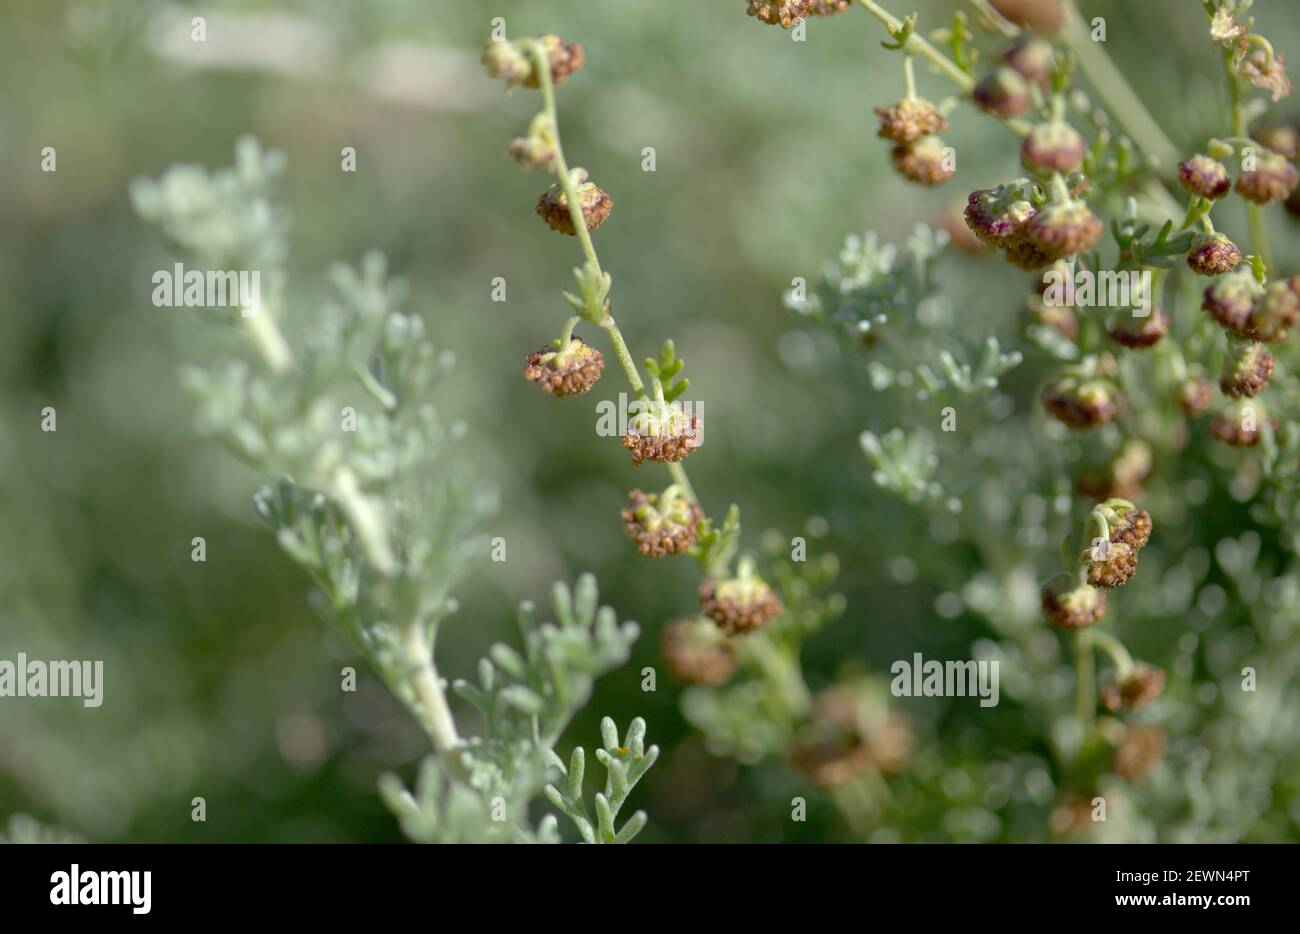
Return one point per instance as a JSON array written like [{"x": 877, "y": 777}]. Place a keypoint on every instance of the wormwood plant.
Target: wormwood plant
[
  {"x": 1124, "y": 378},
  {"x": 371, "y": 499}
]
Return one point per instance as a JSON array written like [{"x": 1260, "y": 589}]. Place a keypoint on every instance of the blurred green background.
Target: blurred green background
[{"x": 220, "y": 682}]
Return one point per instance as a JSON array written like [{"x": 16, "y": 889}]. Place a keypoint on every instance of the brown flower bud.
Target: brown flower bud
[
  {"x": 1053, "y": 147},
  {"x": 1140, "y": 686},
  {"x": 1196, "y": 395},
  {"x": 661, "y": 525},
  {"x": 1239, "y": 423},
  {"x": 565, "y": 372},
  {"x": 997, "y": 216},
  {"x": 1081, "y": 403},
  {"x": 910, "y": 120},
  {"x": 1026, "y": 254},
  {"x": 1003, "y": 93},
  {"x": 1273, "y": 179},
  {"x": 697, "y": 653},
  {"x": 1230, "y": 300},
  {"x": 1044, "y": 16},
  {"x": 1213, "y": 254},
  {"x": 1032, "y": 58},
  {"x": 1280, "y": 134},
  {"x": 1203, "y": 176},
  {"x": 1110, "y": 564},
  {"x": 1140, "y": 333},
  {"x": 1065, "y": 229},
  {"x": 783, "y": 13},
  {"x": 1276, "y": 311},
  {"x": 1140, "y": 750},
  {"x": 1246, "y": 372},
  {"x": 663, "y": 432},
  {"x": 924, "y": 162},
  {"x": 553, "y": 205},
  {"x": 1068, "y": 604},
  {"x": 739, "y": 604}
]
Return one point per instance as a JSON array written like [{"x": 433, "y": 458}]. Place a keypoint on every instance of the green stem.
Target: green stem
[
  {"x": 946, "y": 65},
  {"x": 1258, "y": 229},
  {"x": 1112, "y": 647}
]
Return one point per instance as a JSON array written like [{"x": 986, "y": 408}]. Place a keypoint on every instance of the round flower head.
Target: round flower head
[
  {"x": 1128, "y": 524},
  {"x": 1043, "y": 16},
  {"x": 924, "y": 162},
  {"x": 1273, "y": 179},
  {"x": 1140, "y": 750},
  {"x": 564, "y": 59},
  {"x": 1110, "y": 564},
  {"x": 788, "y": 13},
  {"x": 506, "y": 60},
  {"x": 1141, "y": 685},
  {"x": 1065, "y": 229},
  {"x": 909, "y": 120},
  {"x": 1282, "y": 135},
  {"x": 697, "y": 653},
  {"x": 661, "y": 524},
  {"x": 565, "y": 372},
  {"x": 1003, "y": 93},
  {"x": 1239, "y": 423},
  {"x": 1262, "y": 70},
  {"x": 1081, "y": 403},
  {"x": 1196, "y": 395},
  {"x": 739, "y": 604},
  {"x": 1213, "y": 254},
  {"x": 850, "y": 733},
  {"x": 1276, "y": 311},
  {"x": 1121, "y": 477},
  {"x": 1053, "y": 147},
  {"x": 663, "y": 431},
  {"x": 1246, "y": 372},
  {"x": 1230, "y": 300},
  {"x": 1068, "y": 604},
  {"x": 1203, "y": 176},
  {"x": 1031, "y": 57},
  {"x": 512, "y": 62},
  {"x": 998, "y": 216},
  {"x": 1026, "y": 254},
  {"x": 1140, "y": 333},
  {"x": 553, "y": 205}
]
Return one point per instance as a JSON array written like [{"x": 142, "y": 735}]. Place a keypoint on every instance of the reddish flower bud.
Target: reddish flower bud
[
  {"x": 998, "y": 216},
  {"x": 1033, "y": 58},
  {"x": 1068, "y": 604},
  {"x": 663, "y": 432},
  {"x": 1276, "y": 311},
  {"x": 1140, "y": 686},
  {"x": 1044, "y": 16},
  {"x": 1213, "y": 254},
  {"x": 1246, "y": 372},
  {"x": 1230, "y": 300},
  {"x": 1273, "y": 179},
  {"x": 553, "y": 206},
  {"x": 1140, "y": 333},
  {"x": 1053, "y": 147},
  {"x": 1065, "y": 229},
  {"x": 1196, "y": 395},
  {"x": 924, "y": 162},
  {"x": 1003, "y": 93},
  {"x": 739, "y": 604},
  {"x": 564, "y": 373},
  {"x": 909, "y": 120},
  {"x": 661, "y": 526},
  {"x": 1203, "y": 176},
  {"x": 1081, "y": 403}
]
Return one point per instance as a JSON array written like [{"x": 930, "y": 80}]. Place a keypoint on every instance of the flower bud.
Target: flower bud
[
  {"x": 788, "y": 13},
  {"x": 565, "y": 372},
  {"x": 1053, "y": 147},
  {"x": 1208, "y": 178},
  {"x": 1246, "y": 372},
  {"x": 661, "y": 525},
  {"x": 1044, "y": 16},
  {"x": 512, "y": 62},
  {"x": 1230, "y": 300},
  {"x": 1068, "y": 604},
  {"x": 1239, "y": 423},
  {"x": 1065, "y": 229},
  {"x": 739, "y": 604},
  {"x": 697, "y": 653},
  {"x": 924, "y": 162},
  {"x": 1120, "y": 478},
  {"x": 1026, "y": 254},
  {"x": 909, "y": 120},
  {"x": 553, "y": 205},
  {"x": 1083, "y": 403},
  {"x": 1140, "y": 686},
  {"x": 1276, "y": 311},
  {"x": 997, "y": 216},
  {"x": 849, "y": 734},
  {"x": 1031, "y": 57},
  {"x": 1140, "y": 333},
  {"x": 1196, "y": 395},
  {"x": 1003, "y": 93},
  {"x": 664, "y": 432},
  {"x": 1213, "y": 254},
  {"x": 1141, "y": 749},
  {"x": 506, "y": 60},
  {"x": 1282, "y": 135},
  {"x": 1273, "y": 179},
  {"x": 1110, "y": 565}
]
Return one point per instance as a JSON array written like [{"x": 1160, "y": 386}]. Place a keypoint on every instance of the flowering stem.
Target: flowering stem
[
  {"x": 909, "y": 77},
  {"x": 919, "y": 45},
  {"x": 1112, "y": 647},
  {"x": 436, "y": 715},
  {"x": 1258, "y": 230},
  {"x": 542, "y": 65}
]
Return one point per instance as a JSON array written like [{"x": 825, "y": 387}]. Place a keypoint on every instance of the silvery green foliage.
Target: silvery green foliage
[
  {"x": 527, "y": 698},
  {"x": 755, "y": 716},
  {"x": 625, "y": 763},
  {"x": 23, "y": 828}
]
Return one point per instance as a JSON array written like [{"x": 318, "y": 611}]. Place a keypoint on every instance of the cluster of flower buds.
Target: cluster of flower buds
[
  {"x": 564, "y": 370},
  {"x": 512, "y": 62},
  {"x": 1075, "y": 601},
  {"x": 789, "y": 13},
  {"x": 1032, "y": 237},
  {"x": 918, "y": 154},
  {"x": 1084, "y": 397}
]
